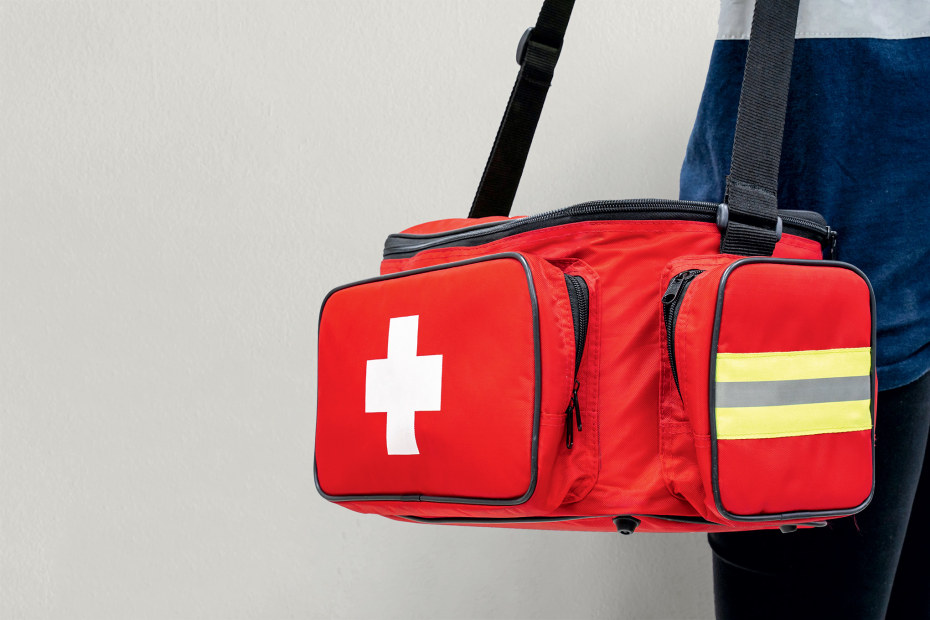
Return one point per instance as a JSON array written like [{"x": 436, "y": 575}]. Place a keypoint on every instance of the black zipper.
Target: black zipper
[
  {"x": 578, "y": 299},
  {"x": 671, "y": 303},
  {"x": 403, "y": 245}
]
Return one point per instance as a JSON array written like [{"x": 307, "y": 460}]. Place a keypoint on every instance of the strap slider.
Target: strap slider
[
  {"x": 723, "y": 220},
  {"x": 748, "y": 219},
  {"x": 522, "y": 45}
]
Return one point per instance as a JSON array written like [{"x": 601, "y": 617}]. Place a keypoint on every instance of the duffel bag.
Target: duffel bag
[{"x": 649, "y": 365}]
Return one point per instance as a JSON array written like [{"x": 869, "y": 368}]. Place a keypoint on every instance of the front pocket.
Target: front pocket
[
  {"x": 438, "y": 388},
  {"x": 775, "y": 389}
]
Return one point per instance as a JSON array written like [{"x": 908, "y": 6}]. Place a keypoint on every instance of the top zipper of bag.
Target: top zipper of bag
[
  {"x": 806, "y": 224},
  {"x": 578, "y": 296}
]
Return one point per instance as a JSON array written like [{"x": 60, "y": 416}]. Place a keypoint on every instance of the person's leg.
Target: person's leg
[
  {"x": 845, "y": 570},
  {"x": 910, "y": 597}
]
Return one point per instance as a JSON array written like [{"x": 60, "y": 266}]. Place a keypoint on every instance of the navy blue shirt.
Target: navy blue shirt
[{"x": 857, "y": 150}]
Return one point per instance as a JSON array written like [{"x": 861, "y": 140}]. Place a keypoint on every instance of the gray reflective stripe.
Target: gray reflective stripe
[
  {"x": 793, "y": 392},
  {"x": 837, "y": 19}
]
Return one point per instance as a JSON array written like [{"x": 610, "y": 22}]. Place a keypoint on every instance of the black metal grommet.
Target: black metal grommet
[
  {"x": 626, "y": 525},
  {"x": 521, "y": 46}
]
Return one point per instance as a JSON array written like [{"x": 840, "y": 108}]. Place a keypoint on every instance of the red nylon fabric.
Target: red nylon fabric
[
  {"x": 638, "y": 453},
  {"x": 766, "y": 308},
  {"x": 479, "y": 318},
  {"x": 684, "y": 447},
  {"x": 606, "y": 524},
  {"x": 830, "y": 471},
  {"x": 797, "y": 308},
  {"x": 787, "y": 474}
]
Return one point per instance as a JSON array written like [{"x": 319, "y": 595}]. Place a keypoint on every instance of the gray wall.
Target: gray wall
[{"x": 181, "y": 183}]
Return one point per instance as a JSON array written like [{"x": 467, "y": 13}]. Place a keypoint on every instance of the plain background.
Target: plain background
[{"x": 181, "y": 183}]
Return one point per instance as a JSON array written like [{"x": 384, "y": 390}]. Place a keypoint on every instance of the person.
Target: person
[{"x": 856, "y": 149}]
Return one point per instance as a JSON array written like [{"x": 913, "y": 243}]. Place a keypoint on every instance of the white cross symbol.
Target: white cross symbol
[{"x": 403, "y": 384}]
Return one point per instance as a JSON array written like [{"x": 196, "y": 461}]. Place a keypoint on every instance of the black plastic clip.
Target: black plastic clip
[
  {"x": 522, "y": 45},
  {"x": 831, "y": 239},
  {"x": 723, "y": 217}
]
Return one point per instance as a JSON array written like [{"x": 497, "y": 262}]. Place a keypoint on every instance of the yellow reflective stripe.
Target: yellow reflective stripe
[
  {"x": 792, "y": 420},
  {"x": 788, "y": 365}
]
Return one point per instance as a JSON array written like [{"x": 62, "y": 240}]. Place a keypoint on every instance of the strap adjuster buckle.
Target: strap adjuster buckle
[{"x": 723, "y": 220}]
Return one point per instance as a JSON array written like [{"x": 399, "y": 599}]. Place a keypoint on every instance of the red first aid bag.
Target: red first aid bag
[{"x": 644, "y": 365}]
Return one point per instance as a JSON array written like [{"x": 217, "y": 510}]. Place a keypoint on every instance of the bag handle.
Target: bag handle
[{"x": 749, "y": 216}]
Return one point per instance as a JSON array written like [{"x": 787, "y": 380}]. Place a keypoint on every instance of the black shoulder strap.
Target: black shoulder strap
[
  {"x": 752, "y": 221},
  {"x": 537, "y": 55},
  {"x": 752, "y": 185}
]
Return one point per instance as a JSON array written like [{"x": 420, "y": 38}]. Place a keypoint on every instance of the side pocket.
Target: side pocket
[
  {"x": 456, "y": 390},
  {"x": 774, "y": 360},
  {"x": 580, "y": 458},
  {"x": 679, "y": 439},
  {"x": 792, "y": 386}
]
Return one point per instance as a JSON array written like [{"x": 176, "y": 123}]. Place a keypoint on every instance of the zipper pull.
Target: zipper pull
[
  {"x": 674, "y": 287},
  {"x": 573, "y": 410},
  {"x": 831, "y": 238},
  {"x": 569, "y": 428},
  {"x": 671, "y": 293}
]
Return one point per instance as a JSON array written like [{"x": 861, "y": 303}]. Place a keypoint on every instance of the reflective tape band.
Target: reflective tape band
[
  {"x": 792, "y": 393},
  {"x": 793, "y": 420},
  {"x": 789, "y": 365}
]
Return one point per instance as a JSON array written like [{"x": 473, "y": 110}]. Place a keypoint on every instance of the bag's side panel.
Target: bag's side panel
[
  {"x": 490, "y": 441},
  {"x": 793, "y": 390},
  {"x": 389, "y": 344}
]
